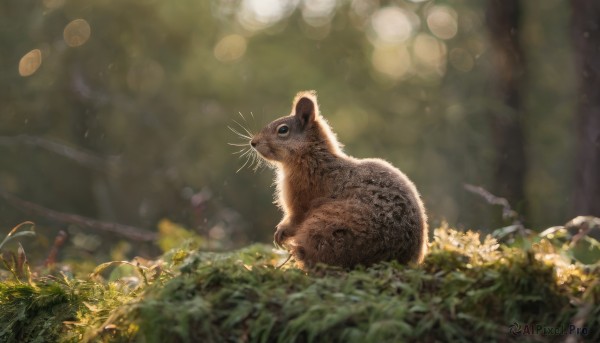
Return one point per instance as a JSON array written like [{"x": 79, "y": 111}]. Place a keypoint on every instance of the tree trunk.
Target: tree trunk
[
  {"x": 586, "y": 39},
  {"x": 503, "y": 20}
]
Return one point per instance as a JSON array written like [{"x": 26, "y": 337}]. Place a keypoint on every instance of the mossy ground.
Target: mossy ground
[{"x": 466, "y": 290}]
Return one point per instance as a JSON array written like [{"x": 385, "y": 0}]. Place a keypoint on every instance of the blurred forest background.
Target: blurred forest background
[{"x": 118, "y": 110}]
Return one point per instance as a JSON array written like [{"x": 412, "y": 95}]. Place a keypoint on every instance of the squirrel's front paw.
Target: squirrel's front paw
[{"x": 282, "y": 234}]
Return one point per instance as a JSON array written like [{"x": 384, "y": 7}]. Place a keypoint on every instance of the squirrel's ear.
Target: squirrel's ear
[{"x": 305, "y": 109}]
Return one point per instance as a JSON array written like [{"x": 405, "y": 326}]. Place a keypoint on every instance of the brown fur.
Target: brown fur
[{"x": 339, "y": 210}]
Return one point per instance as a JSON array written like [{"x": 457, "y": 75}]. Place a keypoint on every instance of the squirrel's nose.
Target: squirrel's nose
[{"x": 253, "y": 143}]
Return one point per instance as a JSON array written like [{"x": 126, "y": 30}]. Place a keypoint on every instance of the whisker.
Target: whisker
[
  {"x": 242, "y": 167},
  {"x": 237, "y": 133},
  {"x": 253, "y": 160},
  {"x": 258, "y": 161},
  {"x": 239, "y": 151},
  {"x": 242, "y": 126},
  {"x": 248, "y": 151},
  {"x": 258, "y": 164},
  {"x": 238, "y": 144},
  {"x": 253, "y": 120},
  {"x": 241, "y": 135}
]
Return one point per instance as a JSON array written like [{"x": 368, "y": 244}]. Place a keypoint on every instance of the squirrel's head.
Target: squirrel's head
[{"x": 302, "y": 132}]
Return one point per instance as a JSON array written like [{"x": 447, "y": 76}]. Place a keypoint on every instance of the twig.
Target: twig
[
  {"x": 82, "y": 156},
  {"x": 584, "y": 225},
  {"x": 507, "y": 211},
  {"x": 127, "y": 231},
  {"x": 59, "y": 241},
  {"x": 284, "y": 262}
]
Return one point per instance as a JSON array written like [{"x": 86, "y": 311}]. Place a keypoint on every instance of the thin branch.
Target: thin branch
[
  {"x": 82, "y": 156},
  {"x": 59, "y": 241},
  {"x": 131, "y": 232},
  {"x": 584, "y": 225},
  {"x": 507, "y": 211}
]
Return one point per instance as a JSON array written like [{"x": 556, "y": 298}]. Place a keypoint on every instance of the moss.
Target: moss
[
  {"x": 34, "y": 313},
  {"x": 466, "y": 290}
]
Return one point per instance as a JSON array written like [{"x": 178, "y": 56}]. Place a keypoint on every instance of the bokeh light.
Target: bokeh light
[
  {"x": 410, "y": 66},
  {"x": 53, "y": 4},
  {"x": 230, "y": 48},
  {"x": 256, "y": 15},
  {"x": 392, "y": 61},
  {"x": 318, "y": 12},
  {"x": 393, "y": 24},
  {"x": 430, "y": 53},
  {"x": 77, "y": 32},
  {"x": 442, "y": 21},
  {"x": 363, "y": 8},
  {"x": 361, "y": 11},
  {"x": 30, "y": 62}
]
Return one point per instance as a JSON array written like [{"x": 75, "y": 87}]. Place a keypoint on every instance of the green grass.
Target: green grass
[{"x": 466, "y": 290}]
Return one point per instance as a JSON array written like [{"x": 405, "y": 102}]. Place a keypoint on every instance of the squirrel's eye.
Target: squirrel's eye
[{"x": 283, "y": 130}]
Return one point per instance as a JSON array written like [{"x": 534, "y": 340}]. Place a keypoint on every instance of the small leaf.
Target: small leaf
[
  {"x": 14, "y": 234},
  {"x": 16, "y": 228},
  {"x": 102, "y": 267},
  {"x": 21, "y": 260}
]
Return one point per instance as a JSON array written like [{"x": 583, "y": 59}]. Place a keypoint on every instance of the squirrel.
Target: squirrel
[{"x": 338, "y": 210}]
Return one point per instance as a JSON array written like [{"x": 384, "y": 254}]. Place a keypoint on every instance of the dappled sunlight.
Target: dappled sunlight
[
  {"x": 412, "y": 70},
  {"x": 127, "y": 134},
  {"x": 112, "y": 108},
  {"x": 258, "y": 294}
]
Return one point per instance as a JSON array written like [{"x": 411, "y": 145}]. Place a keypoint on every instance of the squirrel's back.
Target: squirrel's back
[{"x": 337, "y": 209}]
